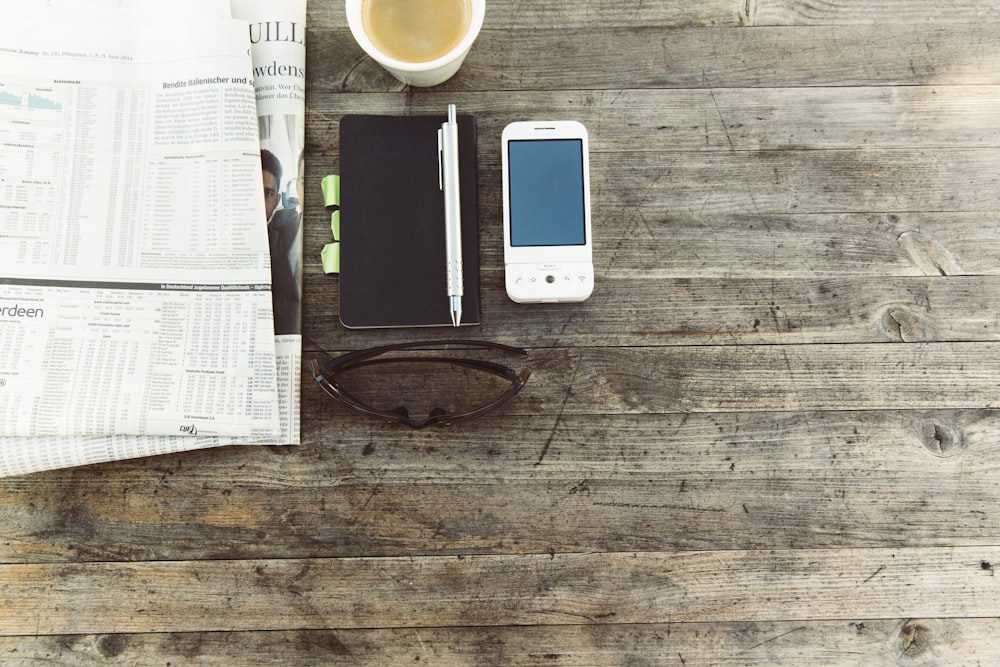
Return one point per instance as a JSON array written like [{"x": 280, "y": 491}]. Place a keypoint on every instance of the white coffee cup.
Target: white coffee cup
[{"x": 429, "y": 73}]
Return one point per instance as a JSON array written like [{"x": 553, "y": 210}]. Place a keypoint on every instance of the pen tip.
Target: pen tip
[{"x": 456, "y": 318}]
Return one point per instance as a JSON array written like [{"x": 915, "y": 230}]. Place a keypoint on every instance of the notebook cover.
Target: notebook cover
[{"x": 392, "y": 234}]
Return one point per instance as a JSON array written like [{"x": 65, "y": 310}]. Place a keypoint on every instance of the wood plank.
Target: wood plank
[
  {"x": 561, "y": 589},
  {"x": 649, "y": 306},
  {"x": 644, "y": 380},
  {"x": 773, "y": 57},
  {"x": 563, "y": 484},
  {"x": 666, "y": 243},
  {"x": 652, "y": 380},
  {"x": 724, "y": 119},
  {"x": 753, "y": 378},
  {"x": 783, "y": 377},
  {"x": 880, "y": 643},
  {"x": 853, "y": 12}
]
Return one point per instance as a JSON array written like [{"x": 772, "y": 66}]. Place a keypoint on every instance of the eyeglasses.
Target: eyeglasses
[
  {"x": 271, "y": 193},
  {"x": 328, "y": 377}
]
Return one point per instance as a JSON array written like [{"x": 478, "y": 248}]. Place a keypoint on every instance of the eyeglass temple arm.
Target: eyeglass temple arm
[
  {"x": 487, "y": 366},
  {"x": 351, "y": 359},
  {"x": 382, "y": 349}
]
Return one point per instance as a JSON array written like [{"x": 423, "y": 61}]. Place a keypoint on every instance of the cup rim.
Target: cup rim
[{"x": 353, "y": 9}]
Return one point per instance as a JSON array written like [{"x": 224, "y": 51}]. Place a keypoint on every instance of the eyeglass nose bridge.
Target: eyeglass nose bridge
[{"x": 437, "y": 415}]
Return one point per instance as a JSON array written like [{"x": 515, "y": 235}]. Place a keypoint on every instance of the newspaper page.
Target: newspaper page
[
  {"x": 131, "y": 305},
  {"x": 277, "y": 35}
]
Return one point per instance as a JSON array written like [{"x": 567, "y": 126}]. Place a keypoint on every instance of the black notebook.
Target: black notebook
[{"x": 392, "y": 230}]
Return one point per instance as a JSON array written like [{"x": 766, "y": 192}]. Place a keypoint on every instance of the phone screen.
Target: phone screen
[{"x": 546, "y": 192}]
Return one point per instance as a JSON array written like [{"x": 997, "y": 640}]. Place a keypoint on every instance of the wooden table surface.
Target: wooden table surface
[{"x": 771, "y": 436}]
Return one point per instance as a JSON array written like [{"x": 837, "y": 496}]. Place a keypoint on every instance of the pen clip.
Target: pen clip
[{"x": 440, "y": 159}]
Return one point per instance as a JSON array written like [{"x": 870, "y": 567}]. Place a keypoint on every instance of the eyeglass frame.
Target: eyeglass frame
[{"x": 325, "y": 376}]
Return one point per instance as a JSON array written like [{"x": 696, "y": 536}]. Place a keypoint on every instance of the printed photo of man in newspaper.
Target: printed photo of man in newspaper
[{"x": 284, "y": 228}]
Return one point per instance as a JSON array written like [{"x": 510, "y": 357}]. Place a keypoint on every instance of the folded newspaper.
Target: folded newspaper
[{"x": 150, "y": 228}]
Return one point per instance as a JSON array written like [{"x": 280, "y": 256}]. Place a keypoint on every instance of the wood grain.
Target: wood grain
[
  {"x": 560, "y": 589},
  {"x": 774, "y": 56},
  {"x": 663, "y": 310},
  {"x": 667, "y": 483},
  {"x": 717, "y": 119},
  {"x": 850, "y": 12},
  {"x": 873, "y": 643}
]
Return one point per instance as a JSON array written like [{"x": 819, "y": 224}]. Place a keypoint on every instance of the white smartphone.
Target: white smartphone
[{"x": 548, "y": 249}]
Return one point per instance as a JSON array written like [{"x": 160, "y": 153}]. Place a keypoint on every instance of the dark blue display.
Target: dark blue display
[{"x": 546, "y": 192}]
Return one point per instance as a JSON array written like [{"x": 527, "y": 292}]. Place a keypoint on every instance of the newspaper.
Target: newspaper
[
  {"x": 277, "y": 38},
  {"x": 160, "y": 306}
]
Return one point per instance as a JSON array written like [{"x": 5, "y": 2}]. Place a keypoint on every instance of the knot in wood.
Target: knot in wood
[
  {"x": 941, "y": 440},
  {"x": 914, "y": 639},
  {"x": 904, "y": 324},
  {"x": 111, "y": 646},
  {"x": 928, "y": 254}
]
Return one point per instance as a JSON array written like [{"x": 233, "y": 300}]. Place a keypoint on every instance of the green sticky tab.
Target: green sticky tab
[
  {"x": 331, "y": 258},
  {"x": 331, "y": 190},
  {"x": 335, "y": 225}
]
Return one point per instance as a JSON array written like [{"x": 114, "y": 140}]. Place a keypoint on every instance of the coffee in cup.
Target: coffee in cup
[
  {"x": 416, "y": 31},
  {"x": 421, "y": 42}
]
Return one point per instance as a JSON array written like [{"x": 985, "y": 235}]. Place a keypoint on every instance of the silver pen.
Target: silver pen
[{"x": 448, "y": 181}]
